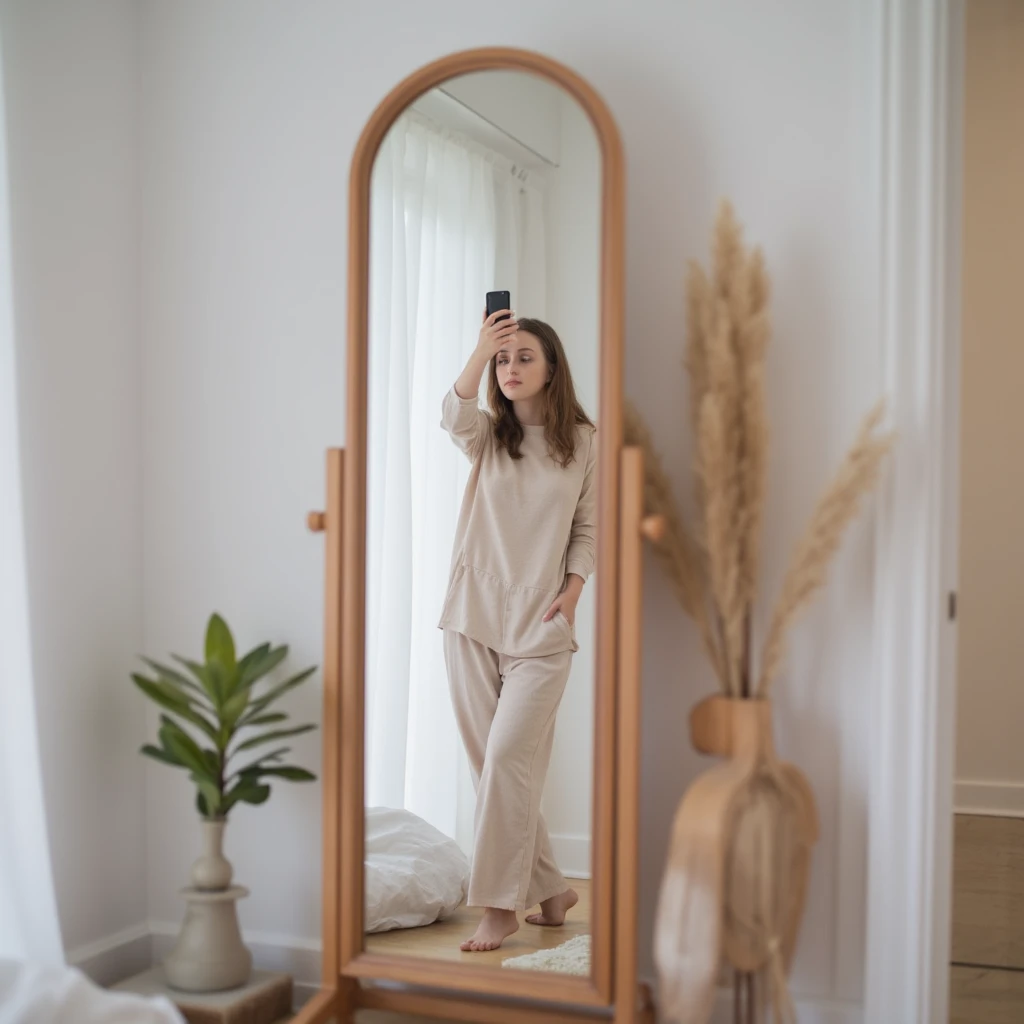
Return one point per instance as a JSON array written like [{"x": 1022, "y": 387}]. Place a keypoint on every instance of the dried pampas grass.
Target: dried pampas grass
[
  {"x": 715, "y": 566},
  {"x": 698, "y": 289},
  {"x": 736, "y": 875},
  {"x": 718, "y": 443},
  {"x": 837, "y": 506}
]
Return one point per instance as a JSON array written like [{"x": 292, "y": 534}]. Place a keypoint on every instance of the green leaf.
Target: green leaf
[
  {"x": 213, "y": 677},
  {"x": 220, "y": 645},
  {"x": 165, "y": 694},
  {"x": 284, "y": 771},
  {"x": 224, "y": 735},
  {"x": 204, "y": 811},
  {"x": 248, "y": 659},
  {"x": 274, "y": 755},
  {"x": 271, "y": 695},
  {"x": 205, "y": 677},
  {"x": 248, "y": 791},
  {"x": 161, "y": 755},
  {"x": 274, "y": 734},
  {"x": 170, "y": 675},
  {"x": 234, "y": 706},
  {"x": 220, "y": 680},
  {"x": 273, "y": 718},
  {"x": 179, "y": 743},
  {"x": 261, "y": 661},
  {"x": 254, "y": 794},
  {"x": 180, "y": 750},
  {"x": 211, "y": 794},
  {"x": 174, "y": 700},
  {"x": 239, "y": 678}
]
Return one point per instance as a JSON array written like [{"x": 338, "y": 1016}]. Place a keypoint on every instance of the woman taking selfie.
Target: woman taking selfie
[{"x": 524, "y": 547}]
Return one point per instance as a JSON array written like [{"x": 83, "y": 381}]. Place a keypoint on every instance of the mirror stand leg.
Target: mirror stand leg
[
  {"x": 646, "y": 1014},
  {"x": 321, "y": 1009},
  {"x": 334, "y": 1002},
  {"x": 634, "y": 528}
]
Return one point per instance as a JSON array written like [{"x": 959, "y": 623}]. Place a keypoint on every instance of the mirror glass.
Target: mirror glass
[{"x": 482, "y": 526}]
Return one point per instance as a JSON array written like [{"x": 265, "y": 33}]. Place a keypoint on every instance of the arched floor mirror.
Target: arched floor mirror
[{"x": 489, "y": 171}]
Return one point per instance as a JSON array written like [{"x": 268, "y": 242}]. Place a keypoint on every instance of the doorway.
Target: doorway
[{"x": 987, "y": 938}]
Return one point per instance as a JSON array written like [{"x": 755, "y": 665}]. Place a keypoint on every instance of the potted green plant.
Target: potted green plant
[{"x": 213, "y": 716}]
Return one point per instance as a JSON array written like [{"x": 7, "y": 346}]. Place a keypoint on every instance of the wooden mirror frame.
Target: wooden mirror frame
[{"x": 436, "y": 987}]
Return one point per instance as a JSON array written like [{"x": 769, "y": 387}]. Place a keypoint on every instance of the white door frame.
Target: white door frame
[{"x": 913, "y": 707}]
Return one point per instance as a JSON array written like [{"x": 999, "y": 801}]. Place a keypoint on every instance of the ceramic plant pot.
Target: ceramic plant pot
[{"x": 209, "y": 955}]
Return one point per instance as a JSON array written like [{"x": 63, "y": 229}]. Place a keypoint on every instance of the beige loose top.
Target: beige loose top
[{"x": 524, "y": 524}]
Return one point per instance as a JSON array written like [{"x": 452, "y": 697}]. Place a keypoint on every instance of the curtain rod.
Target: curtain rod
[{"x": 497, "y": 127}]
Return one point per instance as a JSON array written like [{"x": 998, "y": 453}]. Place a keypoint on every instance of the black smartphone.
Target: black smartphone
[{"x": 496, "y": 301}]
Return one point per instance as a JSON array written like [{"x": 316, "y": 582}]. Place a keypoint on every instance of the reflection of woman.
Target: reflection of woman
[{"x": 524, "y": 547}]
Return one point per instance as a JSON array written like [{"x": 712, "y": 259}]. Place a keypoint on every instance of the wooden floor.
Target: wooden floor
[
  {"x": 987, "y": 976},
  {"x": 981, "y": 996},
  {"x": 441, "y": 941}
]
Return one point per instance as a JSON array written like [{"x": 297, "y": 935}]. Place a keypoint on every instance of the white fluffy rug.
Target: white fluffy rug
[{"x": 572, "y": 957}]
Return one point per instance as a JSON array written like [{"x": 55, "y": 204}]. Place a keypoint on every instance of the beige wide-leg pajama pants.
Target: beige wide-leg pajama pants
[{"x": 505, "y": 708}]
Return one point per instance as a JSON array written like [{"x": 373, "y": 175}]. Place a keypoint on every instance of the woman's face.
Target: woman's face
[{"x": 521, "y": 367}]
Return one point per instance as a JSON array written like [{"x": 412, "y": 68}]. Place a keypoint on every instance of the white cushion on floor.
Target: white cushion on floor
[{"x": 415, "y": 874}]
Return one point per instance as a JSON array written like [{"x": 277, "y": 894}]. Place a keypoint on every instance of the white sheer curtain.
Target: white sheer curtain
[
  {"x": 29, "y": 927},
  {"x": 447, "y": 224}
]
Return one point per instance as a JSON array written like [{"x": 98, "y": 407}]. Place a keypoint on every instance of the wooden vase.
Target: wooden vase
[{"x": 735, "y": 882}]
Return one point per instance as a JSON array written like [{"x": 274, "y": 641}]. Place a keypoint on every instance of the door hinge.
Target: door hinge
[{"x": 952, "y": 606}]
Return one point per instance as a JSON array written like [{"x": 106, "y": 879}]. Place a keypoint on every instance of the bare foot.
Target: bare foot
[
  {"x": 553, "y": 911},
  {"x": 495, "y": 926}
]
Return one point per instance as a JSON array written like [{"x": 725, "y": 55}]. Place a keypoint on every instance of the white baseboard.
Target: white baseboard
[
  {"x": 1002, "y": 799},
  {"x": 119, "y": 956},
  {"x": 116, "y": 957},
  {"x": 808, "y": 1011},
  {"x": 132, "y": 950},
  {"x": 572, "y": 854}
]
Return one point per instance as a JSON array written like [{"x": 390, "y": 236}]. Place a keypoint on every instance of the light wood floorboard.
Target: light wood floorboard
[
  {"x": 441, "y": 941},
  {"x": 986, "y": 984},
  {"x": 988, "y": 891},
  {"x": 982, "y": 996}
]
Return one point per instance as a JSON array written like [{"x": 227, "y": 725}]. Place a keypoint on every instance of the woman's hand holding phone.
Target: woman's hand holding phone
[{"x": 493, "y": 335}]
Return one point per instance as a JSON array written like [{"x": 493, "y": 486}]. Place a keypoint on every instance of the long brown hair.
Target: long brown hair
[{"x": 562, "y": 411}]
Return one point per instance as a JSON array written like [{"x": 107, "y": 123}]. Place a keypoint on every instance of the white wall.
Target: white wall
[
  {"x": 249, "y": 113},
  {"x": 574, "y": 239},
  {"x": 69, "y": 88},
  {"x": 243, "y": 171},
  {"x": 990, "y": 699}
]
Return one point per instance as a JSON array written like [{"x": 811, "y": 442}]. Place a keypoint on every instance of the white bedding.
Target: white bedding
[
  {"x": 415, "y": 874},
  {"x": 33, "y": 994}
]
